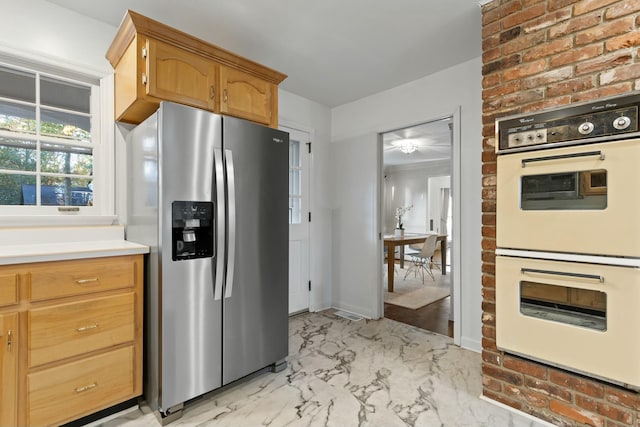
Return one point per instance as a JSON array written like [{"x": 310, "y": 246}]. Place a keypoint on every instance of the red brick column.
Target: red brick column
[{"x": 539, "y": 54}]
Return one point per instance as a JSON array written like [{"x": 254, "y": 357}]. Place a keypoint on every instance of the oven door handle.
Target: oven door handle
[
  {"x": 563, "y": 156},
  {"x": 563, "y": 273}
]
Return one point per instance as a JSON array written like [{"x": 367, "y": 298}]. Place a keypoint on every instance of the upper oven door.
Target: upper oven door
[{"x": 580, "y": 199}]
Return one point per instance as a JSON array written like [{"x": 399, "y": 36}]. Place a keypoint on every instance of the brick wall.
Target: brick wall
[{"x": 539, "y": 54}]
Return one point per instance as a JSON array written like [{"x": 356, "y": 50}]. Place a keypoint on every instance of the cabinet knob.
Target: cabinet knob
[
  {"x": 225, "y": 95},
  {"x": 212, "y": 92},
  {"x": 9, "y": 340}
]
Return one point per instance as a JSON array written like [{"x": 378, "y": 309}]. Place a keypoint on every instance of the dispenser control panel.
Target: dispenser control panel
[{"x": 192, "y": 230}]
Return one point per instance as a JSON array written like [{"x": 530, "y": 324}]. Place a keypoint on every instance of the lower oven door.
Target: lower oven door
[
  {"x": 584, "y": 193},
  {"x": 582, "y": 317}
]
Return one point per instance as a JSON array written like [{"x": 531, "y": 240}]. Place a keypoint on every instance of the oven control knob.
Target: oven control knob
[
  {"x": 585, "y": 128},
  {"x": 621, "y": 123}
]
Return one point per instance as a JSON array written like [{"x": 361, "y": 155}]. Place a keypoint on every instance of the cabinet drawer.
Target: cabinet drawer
[
  {"x": 65, "y": 330},
  {"x": 79, "y": 388},
  {"x": 68, "y": 278},
  {"x": 8, "y": 289}
]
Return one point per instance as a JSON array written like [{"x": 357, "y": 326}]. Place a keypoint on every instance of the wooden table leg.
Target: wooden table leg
[
  {"x": 391, "y": 260},
  {"x": 443, "y": 255}
]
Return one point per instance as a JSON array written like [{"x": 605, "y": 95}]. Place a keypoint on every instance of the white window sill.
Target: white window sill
[{"x": 56, "y": 220}]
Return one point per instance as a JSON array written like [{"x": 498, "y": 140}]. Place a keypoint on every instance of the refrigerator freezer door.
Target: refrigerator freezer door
[
  {"x": 191, "y": 318},
  {"x": 255, "y": 314}
]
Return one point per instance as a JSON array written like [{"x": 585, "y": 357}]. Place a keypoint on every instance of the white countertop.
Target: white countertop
[{"x": 38, "y": 244}]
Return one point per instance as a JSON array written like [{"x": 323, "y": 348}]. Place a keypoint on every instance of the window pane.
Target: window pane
[
  {"x": 570, "y": 305},
  {"x": 61, "y": 94},
  {"x": 294, "y": 210},
  {"x": 294, "y": 153},
  {"x": 65, "y": 125},
  {"x": 68, "y": 160},
  {"x": 66, "y": 191},
  {"x": 17, "y": 118},
  {"x": 294, "y": 182},
  {"x": 15, "y": 189},
  {"x": 20, "y": 85},
  {"x": 17, "y": 154},
  {"x": 583, "y": 190}
]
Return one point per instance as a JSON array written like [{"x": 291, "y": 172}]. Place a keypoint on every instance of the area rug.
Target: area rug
[
  {"x": 413, "y": 294},
  {"x": 420, "y": 297}
]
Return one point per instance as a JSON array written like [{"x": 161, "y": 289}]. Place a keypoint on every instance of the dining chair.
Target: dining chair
[{"x": 422, "y": 261}]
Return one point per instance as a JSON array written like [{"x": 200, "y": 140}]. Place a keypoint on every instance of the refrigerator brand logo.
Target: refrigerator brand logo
[
  {"x": 278, "y": 140},
  {"x": 526, "y": 120}
]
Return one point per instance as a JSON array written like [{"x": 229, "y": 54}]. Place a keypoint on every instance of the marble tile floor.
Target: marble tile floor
[{"x": 344, "y": 373}]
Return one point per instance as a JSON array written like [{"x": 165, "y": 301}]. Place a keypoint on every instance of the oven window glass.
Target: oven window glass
[
  {"x": 584, "y": 190},
  {"x": 573, "y": 306}
]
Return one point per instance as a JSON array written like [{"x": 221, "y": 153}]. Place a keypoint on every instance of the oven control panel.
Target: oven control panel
[{"x": 613, "y": 118}]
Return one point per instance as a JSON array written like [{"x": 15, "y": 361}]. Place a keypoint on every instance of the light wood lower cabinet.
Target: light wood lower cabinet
[
  {"x": 77, "y": 386},
  {"x": 8, "y": 369},
  {"x": 80, "y": 341}
]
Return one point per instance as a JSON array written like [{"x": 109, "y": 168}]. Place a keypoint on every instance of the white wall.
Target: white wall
[
  {"x": 37, "y": 30},
  {"x": 357, "y": 259},
  {"x": 406, "y": 185},
  {"x": 419, "y": 101}
]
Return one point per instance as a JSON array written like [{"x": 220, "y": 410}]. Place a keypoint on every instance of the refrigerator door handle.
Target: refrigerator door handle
[
  {"x": 231, "y": 249},
  {"x": 220, "y": 223}
]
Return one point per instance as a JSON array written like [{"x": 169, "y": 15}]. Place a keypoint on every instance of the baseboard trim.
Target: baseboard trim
[
  {"x": 470, "y": 344},
  {"x": 539, "y": 421}
]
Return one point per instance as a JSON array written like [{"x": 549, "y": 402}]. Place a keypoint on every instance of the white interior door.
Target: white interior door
[
  {"x": 438, "y": 219},
  {"x": 299, "y": 218}
]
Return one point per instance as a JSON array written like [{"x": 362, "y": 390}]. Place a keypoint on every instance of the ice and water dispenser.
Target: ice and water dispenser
[{"x": 192, "y": 230}]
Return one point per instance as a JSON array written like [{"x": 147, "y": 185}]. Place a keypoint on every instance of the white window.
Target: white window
[
  {"x": 295, "y": 182},
  {"x": 49, "y": 144}
]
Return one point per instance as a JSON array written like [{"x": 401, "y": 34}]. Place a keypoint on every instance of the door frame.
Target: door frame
[
  {"x": 456, "y": 179},
  {"x": 289, "y": 124}
]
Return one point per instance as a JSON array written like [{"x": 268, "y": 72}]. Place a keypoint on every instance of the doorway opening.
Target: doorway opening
[{"x": 417, "y": 199}]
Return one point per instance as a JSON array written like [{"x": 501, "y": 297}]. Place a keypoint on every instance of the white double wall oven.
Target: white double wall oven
[{"x": 568, "y": 238}]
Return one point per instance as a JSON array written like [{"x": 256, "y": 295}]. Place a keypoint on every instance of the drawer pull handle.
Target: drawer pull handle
[
  {"x": 87, "y": 281},
  {"x": 564, "y": 273},
  {"x": 600, "y": 155},
  {"x": 86, "y": 387},
  {"x": 87, "y": 328}
]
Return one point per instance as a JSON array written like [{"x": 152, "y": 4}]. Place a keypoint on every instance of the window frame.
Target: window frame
[{"x": 102, "y": 143}]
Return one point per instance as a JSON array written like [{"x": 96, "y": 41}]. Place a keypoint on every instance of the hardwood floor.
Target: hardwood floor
[{"x": 433, "y": 317}]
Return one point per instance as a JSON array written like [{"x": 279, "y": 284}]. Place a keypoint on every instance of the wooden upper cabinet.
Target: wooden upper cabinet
[
  {"x": 178, "y": 75},
  {"x": 154, "y": 62},
  {"x": 247, "y": 96}
]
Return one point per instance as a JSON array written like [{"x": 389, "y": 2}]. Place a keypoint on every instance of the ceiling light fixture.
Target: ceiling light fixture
[{"x": 407, "y": 146}]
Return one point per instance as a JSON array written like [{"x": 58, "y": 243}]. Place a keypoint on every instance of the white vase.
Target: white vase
[{"x": 398, "y": 232}]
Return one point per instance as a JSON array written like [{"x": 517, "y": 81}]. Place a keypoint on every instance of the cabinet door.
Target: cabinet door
[
  {"x": 8, "y": 369},
  {"x": 247, "y": 97},
  {"x": 177, "y": 75}
]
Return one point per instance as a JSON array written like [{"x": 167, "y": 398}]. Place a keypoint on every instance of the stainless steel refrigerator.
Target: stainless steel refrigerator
[{"x": 209, "y": 195}]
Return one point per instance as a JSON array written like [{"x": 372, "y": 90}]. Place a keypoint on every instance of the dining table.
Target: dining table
[{"x": 391, "y": 241}]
